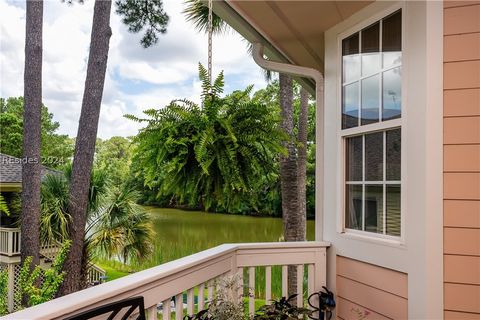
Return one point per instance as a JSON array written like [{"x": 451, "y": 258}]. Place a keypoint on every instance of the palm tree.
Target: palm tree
[
  {"x": 122, "y": 228},
  {"x": 55, "y": 217},
  {"x": 112, "y": 213},
  {"x": 31, "y": 178},
  {"x": 3, "y": 206}
]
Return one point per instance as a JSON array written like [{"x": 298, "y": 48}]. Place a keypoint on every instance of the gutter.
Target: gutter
[
  {"x": 225, "y": 11},
  {"x": 315, "y": 75}
]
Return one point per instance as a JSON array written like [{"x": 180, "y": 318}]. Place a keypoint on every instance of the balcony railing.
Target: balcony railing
[
  {"x": 10, "y": 241},
  {"x": 194, "y": 277}
]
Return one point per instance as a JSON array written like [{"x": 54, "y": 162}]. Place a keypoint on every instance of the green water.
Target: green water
[{"x": 180, "y": 233}]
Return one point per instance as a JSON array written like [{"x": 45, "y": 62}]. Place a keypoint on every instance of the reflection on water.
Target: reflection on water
[{"x": 180, "y": 233}]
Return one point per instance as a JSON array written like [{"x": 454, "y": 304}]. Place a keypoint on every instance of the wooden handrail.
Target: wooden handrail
[{"x": 161, "y": 283}]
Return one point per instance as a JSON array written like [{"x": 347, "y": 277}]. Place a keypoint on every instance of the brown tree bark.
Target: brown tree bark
[
  {"x": 31, "y": 167},
  {"x": 288, "y": 174},
  {"x": 85, "y": 144},
  {"x": 302, "y": 165}
]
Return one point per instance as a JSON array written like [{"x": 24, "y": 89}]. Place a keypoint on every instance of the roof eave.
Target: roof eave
[{"x": 248, "y": 31}]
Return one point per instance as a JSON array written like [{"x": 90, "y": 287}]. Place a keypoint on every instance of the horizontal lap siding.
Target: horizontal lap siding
[
  {"x": 461, "y": 213},
  {"x": 348, "y": 310},
  {"x": 462, "y": 159},
  {"x": 461, "y": 103},
  {"x": 366, "y": 291}
]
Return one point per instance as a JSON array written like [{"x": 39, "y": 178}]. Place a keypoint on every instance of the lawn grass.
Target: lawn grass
[{"x": 113, "y": 269}]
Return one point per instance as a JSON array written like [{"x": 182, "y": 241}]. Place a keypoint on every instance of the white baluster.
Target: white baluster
[
  {"x": 300, "y": 285},
  {"x": 210, "y": 291},
  {"x": 166, "y": 309},
  {"x": 310, "y": 280},
  {"x": 285, "y": 281},
  {"x": 179, "y": 306},
  {"x": 152, "y": 313},
  {"x": 190, "y": 302},
  {"x": 241, "y": 285},
  {"x": 251, "y": 290},
  {"x": 268, "y": 284},
  {"x": 201, "y": 297},
  {"x": 10, "y": 244}
]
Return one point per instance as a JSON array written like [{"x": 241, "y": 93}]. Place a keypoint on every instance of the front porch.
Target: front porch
[{"x": 195, "y": 277}]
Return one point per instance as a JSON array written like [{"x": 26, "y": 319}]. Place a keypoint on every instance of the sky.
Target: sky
[{"x": 137, "y": 79}]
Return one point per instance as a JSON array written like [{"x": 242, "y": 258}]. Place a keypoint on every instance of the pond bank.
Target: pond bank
[{"x": 180, "y": 233}]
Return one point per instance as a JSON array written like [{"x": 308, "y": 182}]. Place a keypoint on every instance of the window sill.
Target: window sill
[{"x": 372, "y": 238}]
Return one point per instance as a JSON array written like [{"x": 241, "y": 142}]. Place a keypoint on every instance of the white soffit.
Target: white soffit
[{"x": 296, "y": 28}]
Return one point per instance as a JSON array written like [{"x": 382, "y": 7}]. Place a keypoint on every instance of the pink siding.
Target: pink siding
[
  {"x": 462, "y": 159},
  {"x": 366, "y": 291}
]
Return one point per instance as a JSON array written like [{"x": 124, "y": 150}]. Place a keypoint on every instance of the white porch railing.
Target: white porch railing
[
  {"x": 95, "y": 274},
  {"x": 10, "y": 241},
  {"x": 159, "y": 284}
]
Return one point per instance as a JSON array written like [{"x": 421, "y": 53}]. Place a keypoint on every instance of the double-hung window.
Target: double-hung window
[{"x": 371, "y": 126}]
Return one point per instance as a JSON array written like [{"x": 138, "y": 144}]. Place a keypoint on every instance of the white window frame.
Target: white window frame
[{"x": 371, "y": 128}]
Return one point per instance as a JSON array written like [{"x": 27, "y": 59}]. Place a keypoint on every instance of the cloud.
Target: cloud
[{"x": 136, "y": 79}]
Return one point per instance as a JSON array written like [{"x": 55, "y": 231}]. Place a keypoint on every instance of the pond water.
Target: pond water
[{"x": 180, "y": 233}]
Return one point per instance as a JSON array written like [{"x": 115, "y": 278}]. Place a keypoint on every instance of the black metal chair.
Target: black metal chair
[{"x": 111, "y": 310}]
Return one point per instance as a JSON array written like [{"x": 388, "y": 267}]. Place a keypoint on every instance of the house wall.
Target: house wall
[
  {"x": 462, "y": 159},
  {"x": 392, "y": 278},
  {"x": 368, "y": 291}
]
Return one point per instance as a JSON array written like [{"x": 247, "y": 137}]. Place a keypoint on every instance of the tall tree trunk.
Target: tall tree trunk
[
  {"x": 288, "y": 174},
  {"x": 31, "y": 167},
  {"x": 85, "y": 144},
  {"x": 302, "y": 165}
]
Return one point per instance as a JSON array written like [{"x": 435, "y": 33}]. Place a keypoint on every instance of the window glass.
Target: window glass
[
  {"x": 354, "y": 159},
  {"x": 351, "y": 58},
  {"x": 372, "y": 195},
  {"x": 370, "y": 99},
  {"x": 374, "y": 156},
  {"x": 354, "y": 207},
  {"x": 350, "y": 106},
  {"x": 392, "y": 39},
  {"x": 393, "y": 221},
  {"x": 372, "y": 93},
  {"x": 370, "y": 38},
  {"x": 374, "y": 208},
  {"x": 392, "y": 94},
  {"x": 372, "y": 73},
  {"x": 393, "y": 154}
]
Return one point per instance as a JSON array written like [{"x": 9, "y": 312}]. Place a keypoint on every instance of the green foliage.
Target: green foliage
[
  {"x": 12, "y": 205},
  {"x": 56, "y": 149},
  {"x": 270, "y": 96},
  {"x": 116, "y": 225},
  {"x": 114, "y": 156},
  {"x": 54, "y": 202},
  {"x": 39, "y": 285},
  {"x": 3, "y": 292},
  {"x": 121, "y": 228},
  {"x": 54, "y": 217},
  {"x": 196, "y": 11},
  {"x": 3, "y": 206},
  {"x": 217, "y": 155},
  {"x": 227, "y": 303},
  {"x": 140, "y": 14},
  {"x": 282, "y": 309}
]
